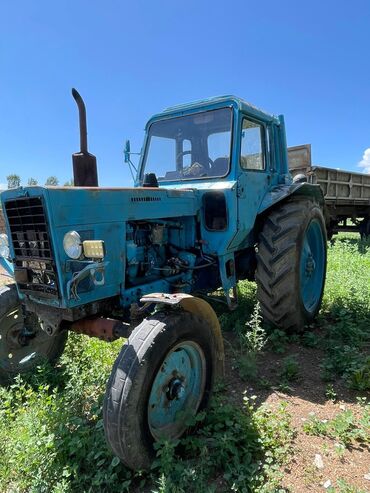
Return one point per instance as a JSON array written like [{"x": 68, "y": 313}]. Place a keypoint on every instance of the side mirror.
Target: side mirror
[
  {"x": 127, "y": 151},
  {"x": 127, "y": 157}
]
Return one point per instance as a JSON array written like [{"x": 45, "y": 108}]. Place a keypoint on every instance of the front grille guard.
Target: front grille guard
[{"x": 34, "y": 260}]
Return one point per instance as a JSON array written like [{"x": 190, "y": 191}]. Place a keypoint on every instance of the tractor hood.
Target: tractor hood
[
  {"x": 81, "y": 205},
  {"x": 75, "y": 206},
  {"x": 42, "y": 216}
]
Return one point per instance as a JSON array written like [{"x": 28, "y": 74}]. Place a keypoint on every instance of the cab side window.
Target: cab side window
[{"x": 251, "y": 151}]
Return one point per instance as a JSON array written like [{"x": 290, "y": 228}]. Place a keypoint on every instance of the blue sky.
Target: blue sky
[{"x": 129, "y": 60}]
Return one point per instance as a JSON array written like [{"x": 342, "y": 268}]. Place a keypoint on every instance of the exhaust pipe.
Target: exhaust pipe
[
  {"x": 85, "y": 173},
  {"x": 106, "y": 329}
]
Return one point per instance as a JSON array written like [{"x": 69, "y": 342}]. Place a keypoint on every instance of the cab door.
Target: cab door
[{"x": 254, "y": 176}]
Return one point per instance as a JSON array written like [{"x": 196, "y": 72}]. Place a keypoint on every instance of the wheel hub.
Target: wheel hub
[
  {"x": 19, "y": 344},
  {"x": 310, "y": 265},
  {"x": 18, "y": 338},
  {"x": 176, "y": 389}
]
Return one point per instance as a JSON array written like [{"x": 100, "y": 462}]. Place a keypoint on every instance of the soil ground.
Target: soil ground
[{"x": 306, "y": 397}]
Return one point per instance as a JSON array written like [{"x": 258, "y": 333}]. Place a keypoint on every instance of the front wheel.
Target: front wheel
[
  {"x": 23, "y": 344},
  {"x": 161, "y": 379},
  {"x": 291, "y": 264}
]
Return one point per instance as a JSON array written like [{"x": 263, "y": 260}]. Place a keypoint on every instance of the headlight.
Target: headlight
[
  {"x": 94, "y": 249},
  {"x": 72, "y": 244},
  {"x": 4, "y": 246}
]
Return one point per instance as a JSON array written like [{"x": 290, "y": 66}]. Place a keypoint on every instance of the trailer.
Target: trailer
[{"x": 346, "y": 193}]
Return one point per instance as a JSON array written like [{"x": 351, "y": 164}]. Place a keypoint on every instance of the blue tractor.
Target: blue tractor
[{"x": 213, "y": 203}]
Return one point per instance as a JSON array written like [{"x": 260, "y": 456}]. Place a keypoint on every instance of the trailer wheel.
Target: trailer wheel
[
  {"x": 162, "y": 377},
  {"x": 291, "y": 264},
  {"x": 23, "y": 348}
]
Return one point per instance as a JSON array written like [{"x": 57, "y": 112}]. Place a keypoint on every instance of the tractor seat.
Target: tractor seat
[{"x": 220, "y": 167}]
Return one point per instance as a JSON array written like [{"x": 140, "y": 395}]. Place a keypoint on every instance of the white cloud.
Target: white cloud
[
  {"x": 3, "y": 186},
  {"x": 365, "y": 162}
]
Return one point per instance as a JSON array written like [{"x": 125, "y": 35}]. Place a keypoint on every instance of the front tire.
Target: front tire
[
  {"x": 20, "y": 353},
  {"x": 291, "y": 264},
  {"x": 162, "y": 377}
]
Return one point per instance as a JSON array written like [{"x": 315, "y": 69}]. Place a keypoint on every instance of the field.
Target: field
[{"x": 291, "y": 416}]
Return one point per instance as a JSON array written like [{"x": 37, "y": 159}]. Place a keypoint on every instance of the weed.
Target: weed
[
  {"x": 247, "y": 365},
  {"x": 310, "y": 339},
  {"x": 284, "y": 387},
  {"x": 339, "y": 450},
  {"x": 311, "y": 475},
  {"x": 264, "y": 383},
  {"x": 361, "y": 401},
  {"x": 290, "y": 369},
  {"x": 275, "y": 430},
  {"x": 330, "y": 393},
  {"x": 345, "y": 427},
  {"x": 358, "y": 375},
  {"x": 278, "y": 341},
  {"x": 252, "y": 341},
  {"x": 344, "y": 487}
]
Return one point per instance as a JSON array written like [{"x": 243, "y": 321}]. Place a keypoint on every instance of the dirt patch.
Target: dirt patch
[
  {"x": 302, "y": 475},
  {"x": 306, "y": 397}
]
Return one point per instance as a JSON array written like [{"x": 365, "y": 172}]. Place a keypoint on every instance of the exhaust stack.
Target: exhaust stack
[{"x": 85, "y": 173}]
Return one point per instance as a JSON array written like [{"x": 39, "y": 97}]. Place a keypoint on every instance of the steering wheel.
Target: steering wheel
[{"x": 184, "y": 153}]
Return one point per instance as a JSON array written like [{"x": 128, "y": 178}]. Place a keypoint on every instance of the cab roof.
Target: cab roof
[{"x": 212, "y": 103}]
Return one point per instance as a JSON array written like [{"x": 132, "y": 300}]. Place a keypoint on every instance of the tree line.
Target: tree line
[{"x": 14, "y": 181}]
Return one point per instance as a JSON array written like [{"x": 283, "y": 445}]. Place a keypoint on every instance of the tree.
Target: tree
[
  {"x": 52, "y": 180},
  {"x": 69, "y": 183},
  {"x": 14, "y": 181},
  {"x": 31, "y": 182}
]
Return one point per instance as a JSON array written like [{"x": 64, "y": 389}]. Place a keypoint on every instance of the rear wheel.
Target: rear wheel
[
  {"x": 162, "y": 377},
  {"x": 291, "y": 264},
  {"x": 23, "y": 344}
]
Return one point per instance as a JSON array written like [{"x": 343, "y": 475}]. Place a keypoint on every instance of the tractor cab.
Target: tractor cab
[
  {"x": 219, "y": 139},
  {"x": 233, "y": 156}
]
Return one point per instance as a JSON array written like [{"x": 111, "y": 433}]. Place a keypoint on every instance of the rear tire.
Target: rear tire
[
  {"x": 163, "y": 375},
  {"x": 18, "y": 357},
  {"x": 291, "y": 264}
]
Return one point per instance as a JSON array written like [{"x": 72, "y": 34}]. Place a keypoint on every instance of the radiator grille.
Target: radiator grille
[{"x": 34, "y": 260}]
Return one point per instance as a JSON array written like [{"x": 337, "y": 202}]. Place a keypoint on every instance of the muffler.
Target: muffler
[{"x": 85, "y": 173}]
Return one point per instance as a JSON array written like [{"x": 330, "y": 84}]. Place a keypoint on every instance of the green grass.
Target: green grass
[
  {"x": 51, "y": 434},
  {"x": 346, "y": 312},
  {"x": 51, "y": 437}
]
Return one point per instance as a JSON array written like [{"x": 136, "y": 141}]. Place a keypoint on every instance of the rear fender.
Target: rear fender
[
  {"x": 198, "y": 307},
  {"x": 281, "y": 192}
]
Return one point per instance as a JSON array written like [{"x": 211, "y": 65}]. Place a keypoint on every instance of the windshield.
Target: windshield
[{"x": 190, "y": 147}]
